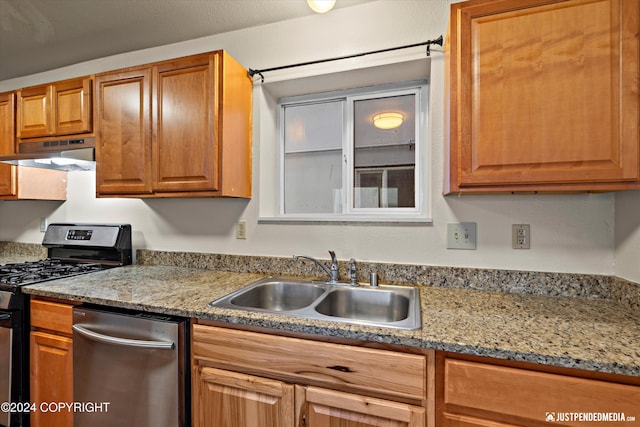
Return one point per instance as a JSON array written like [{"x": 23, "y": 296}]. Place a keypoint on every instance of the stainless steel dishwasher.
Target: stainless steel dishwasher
[{"x": 129, "y": 369}]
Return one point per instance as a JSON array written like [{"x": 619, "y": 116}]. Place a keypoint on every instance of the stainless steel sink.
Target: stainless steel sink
[
  {"x": 366, "y": 304},
  {"x": 278, "y": 296},
  {"x": 383, "y": 306}
]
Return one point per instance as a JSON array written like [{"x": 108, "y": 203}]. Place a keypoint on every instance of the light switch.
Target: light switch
[
  {"x": 461, "y": 235},
  {"x": 241, "y": 230}
]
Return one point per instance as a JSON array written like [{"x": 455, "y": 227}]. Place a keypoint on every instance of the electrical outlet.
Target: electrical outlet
[
  {"x": 521, "y": 236},
  {"x": 461, "y": 235},
  {"x": 241, "y": 230},
  {"x": 43, "y": 225}
]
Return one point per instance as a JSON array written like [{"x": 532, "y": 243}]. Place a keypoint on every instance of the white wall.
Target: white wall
[
  {"x": 627, "y": 250},
  {"x": 570, "y": 233}
]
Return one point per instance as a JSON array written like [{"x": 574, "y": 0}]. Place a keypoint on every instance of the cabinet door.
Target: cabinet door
[
  {"x": 51, "y": 378},
  {"x": 123, "y": 132},
  {"x": 328, "y": 408},
  {"x": 185, "y": 150},
  {"x": 34, "y": 112},
  {"x": 544, "y": 93},
  {"x": 7, "y": 143},
  {"x": 72, "y": 106},
  {"x": 229, "y": 399}
]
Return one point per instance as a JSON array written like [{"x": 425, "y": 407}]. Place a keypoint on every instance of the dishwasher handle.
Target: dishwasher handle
[{"x": 125, "y": 342}]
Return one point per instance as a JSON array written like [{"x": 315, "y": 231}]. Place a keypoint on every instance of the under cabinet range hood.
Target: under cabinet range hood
[{"x": 64, "y": 154}]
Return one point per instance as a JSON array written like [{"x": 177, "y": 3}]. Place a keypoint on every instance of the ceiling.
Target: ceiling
[{"x": 39, "y": 35}]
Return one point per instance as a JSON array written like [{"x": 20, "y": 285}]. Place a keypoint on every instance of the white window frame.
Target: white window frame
[{"x": 421, "y": 211}]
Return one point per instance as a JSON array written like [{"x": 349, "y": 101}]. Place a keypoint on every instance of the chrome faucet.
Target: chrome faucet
[{"x": 332, "y": 271}]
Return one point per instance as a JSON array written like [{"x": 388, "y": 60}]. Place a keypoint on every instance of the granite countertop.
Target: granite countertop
[{"x": 579, "y": 333}]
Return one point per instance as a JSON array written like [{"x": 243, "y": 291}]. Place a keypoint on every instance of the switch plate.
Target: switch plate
[
  {"x": 241, "y": 230},
  {"x": 521, "y": 236},
  {"x": 43, "y": 224},
  {"x": 461, "y": 235}
]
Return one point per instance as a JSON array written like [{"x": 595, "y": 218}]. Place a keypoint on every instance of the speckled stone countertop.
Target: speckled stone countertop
[{"x": 591, "y": 334}]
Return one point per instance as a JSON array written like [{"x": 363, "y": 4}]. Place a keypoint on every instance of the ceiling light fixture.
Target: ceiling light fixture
[
  {"x": 387, "y": 120},
  {"x": 321, "y": 6}
]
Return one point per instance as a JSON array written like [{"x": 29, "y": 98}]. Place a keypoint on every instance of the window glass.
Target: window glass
[
  {"x": 312, "y": 158},
  {"x": 386, "y": 151},
  {"x": 339, "y": 161}
]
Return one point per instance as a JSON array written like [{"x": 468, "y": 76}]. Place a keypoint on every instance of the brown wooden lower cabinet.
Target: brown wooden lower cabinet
[
  {"x": 51, "y": 365},
  {"x": 500, "y": 394},
  {"x": 231, "y": 399},
  {"x": 249, "y": 379},
  {"x": 243, "y": 378}
]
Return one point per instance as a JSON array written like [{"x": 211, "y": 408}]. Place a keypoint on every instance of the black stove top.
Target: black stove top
[
  {"x": 12, "y": 275},
  {"x": 72, "y": 249}
]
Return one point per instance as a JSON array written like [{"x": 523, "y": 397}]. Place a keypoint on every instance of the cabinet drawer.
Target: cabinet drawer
[
  {"x": 304, "y": 361},
  {"x": 530, "y": 394},
  {"x": 52, "y": 316}
]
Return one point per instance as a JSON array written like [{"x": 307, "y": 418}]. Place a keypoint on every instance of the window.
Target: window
[{"x": 339, "y": 162}]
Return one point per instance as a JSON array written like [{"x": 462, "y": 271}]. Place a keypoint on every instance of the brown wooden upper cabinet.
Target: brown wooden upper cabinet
[
  {"x": 55, "y": 109},
  {"x": 543, "y": 96},
  {"x": 17, "y": 182},
  {"x": 7, "y": 142},
  {"x": 177, "y": 128}
]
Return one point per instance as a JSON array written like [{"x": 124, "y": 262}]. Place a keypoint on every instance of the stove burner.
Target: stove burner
[{"x": 43, "y": 270}]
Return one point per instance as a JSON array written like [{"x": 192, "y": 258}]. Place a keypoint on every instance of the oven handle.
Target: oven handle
[{"x": 107, "y": 339}]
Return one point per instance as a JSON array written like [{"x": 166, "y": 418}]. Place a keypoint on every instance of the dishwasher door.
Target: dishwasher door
[{"x": 129, "y": 369}]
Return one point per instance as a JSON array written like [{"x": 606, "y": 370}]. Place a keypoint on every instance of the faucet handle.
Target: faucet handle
[{"x": 353, "y": 272}]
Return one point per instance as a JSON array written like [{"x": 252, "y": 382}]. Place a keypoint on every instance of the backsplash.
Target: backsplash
[
  {"x": 610, "y": 288},
  {"x": 20, "y": 250}
]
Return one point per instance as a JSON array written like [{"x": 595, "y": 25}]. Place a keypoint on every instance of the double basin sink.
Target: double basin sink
[{"x": 382, "y": 306}]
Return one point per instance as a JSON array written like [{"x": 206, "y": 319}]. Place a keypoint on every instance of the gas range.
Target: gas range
[
  {"x": 72, "y": 250},
  {"x": 25, "y": 273}
]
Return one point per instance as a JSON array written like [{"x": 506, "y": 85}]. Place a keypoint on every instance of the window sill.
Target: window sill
[{"x": 346, "y": 219}]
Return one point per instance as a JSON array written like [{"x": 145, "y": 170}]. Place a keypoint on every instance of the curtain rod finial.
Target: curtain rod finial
[{"x": 253, "y": 72}]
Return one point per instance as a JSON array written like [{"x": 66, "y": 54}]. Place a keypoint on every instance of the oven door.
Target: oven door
[
  {"x": 14, "y": 370},
  {"x": 6, "y": 346}
]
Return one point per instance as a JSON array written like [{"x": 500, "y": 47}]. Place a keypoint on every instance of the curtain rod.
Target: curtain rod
[{"x": 428, "y": 43}]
